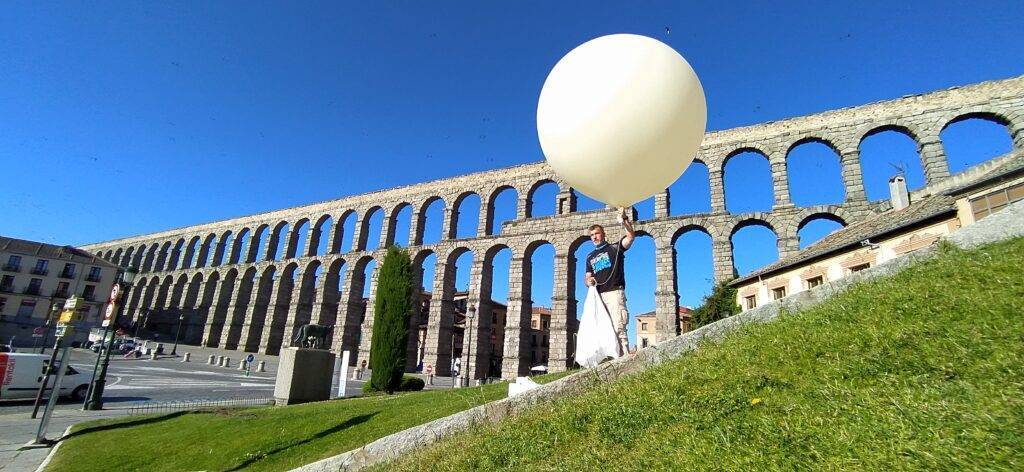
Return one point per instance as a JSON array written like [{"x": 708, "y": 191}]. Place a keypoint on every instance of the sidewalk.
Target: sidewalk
[{"x": 16, "y": 429}]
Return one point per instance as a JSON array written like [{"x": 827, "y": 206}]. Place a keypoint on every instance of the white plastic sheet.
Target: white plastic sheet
[
  {"x": 596, "y": 338},
  {"x": 521, "y": 385}
]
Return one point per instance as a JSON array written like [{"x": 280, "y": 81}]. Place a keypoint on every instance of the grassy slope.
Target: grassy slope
[
  {"x": 924, "y": 370},
  {"x": 258, "y": 439}
]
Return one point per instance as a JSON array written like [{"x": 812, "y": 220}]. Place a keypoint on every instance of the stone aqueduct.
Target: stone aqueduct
[{"x": 254, "y": 305}]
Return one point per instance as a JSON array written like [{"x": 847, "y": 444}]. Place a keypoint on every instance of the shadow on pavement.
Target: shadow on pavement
[{"x": 327, "y": 432}]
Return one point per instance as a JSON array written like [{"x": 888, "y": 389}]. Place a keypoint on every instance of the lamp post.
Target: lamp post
[
  {"x": 470, "y": 316},
  {"x": 52, "y": 315},
  {"x": 181, "y": 317},
  {"x": 95, "y": 401}
]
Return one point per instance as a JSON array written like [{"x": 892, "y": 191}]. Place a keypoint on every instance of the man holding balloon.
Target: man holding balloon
[
  {"x": 605, "y": 271},
  {"x": 619, "y": 118}
]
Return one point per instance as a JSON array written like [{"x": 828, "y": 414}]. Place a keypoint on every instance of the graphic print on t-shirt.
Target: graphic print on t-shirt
[{"x": 601, "y": 262}]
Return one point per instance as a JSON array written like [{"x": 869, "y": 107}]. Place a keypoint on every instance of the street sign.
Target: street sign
[
  {"x": 115, "y": 292},
  {"x": 38, "y": 332},
  {"x": 109, "y": 314},
  {"x": 72, "y": 303},
  {"x": 66, "y": 316},
  {"x": 250, "y": 358}
]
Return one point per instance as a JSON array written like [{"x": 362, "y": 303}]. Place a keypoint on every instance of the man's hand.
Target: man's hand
[
  {"x": 628, "y": 225},
  {"x": 589, "y": 280}
]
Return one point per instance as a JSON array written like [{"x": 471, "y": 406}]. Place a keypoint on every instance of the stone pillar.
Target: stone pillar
[
  {"x": 204, "y": 253},
  {"x": 474, "y": 342},
  {"x": 295, "y": 315},
  {"x": 721, "y": 247},
  {"x": 218, "y": 252},
  {"x": 717, "y": 188},
  {"x": 566, "y": 202},
  {"x": 517, "y": 320},
  {"x": 212, "y": 332},
  {"x": 309, "y": 249},
  {"x": 334, "y": 234},
  {"x": 277, "y": 313},
  {"x": 416, "y": 223},
  {"x": 291, "y": 240},
  {"x": 1017, "y": 133},
  {"x": 366, "y": 331},
  {"x": 346, "y": 330},
  {"x": 440, "y": 320},
  {"x": 780, "y": 182},
  {"x": 449, "y": 226},
  {"x": 662, "y": 204},
  {"x": 483, "y": 225},
  {"x": 523, "y": 206},
  {"x": 666, "y": 300},
  {"x": 563, "y": 321},
  {"x": 236, "y": 312},
  {"x": 788, "y": 245},
  {"x": 325, "y": 301},
  {"x": 255, "y": 326},
  {"x": 387, "y": 232},
  {"x": 853, "y": 179},
  {"x": 933, "y": 158},
  {"x": 359, "y": 236}
]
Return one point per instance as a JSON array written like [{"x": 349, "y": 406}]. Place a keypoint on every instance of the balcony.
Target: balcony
[
  {"x": 12, "y": 268},
  {"x": 40, "y": 271},
  {"x": 61, "y": 293},
  {"x": 31, "y": 290},
  {"x": 67, "y": 274},
  {"x": 92, "y": 278}
]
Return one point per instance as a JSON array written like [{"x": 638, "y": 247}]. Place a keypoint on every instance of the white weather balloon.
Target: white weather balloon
[{"x": 621, "y": 117}]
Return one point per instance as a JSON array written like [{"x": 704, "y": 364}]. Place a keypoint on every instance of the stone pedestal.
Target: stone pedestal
[{"x": 303, "y": 375}]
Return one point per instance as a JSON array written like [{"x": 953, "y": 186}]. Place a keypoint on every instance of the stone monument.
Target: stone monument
[{"x": 303, "y": 375}]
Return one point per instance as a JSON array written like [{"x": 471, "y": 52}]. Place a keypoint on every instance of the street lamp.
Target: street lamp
[
  {"x": 470, "y": 315},
  {"x": 95, "y": 400},
  {"x": 181, "y": 317}
]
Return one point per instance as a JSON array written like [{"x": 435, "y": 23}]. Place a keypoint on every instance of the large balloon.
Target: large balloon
[{"x": 621, "y": 117}]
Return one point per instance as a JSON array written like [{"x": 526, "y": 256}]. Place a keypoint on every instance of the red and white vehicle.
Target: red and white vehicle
[{"x": 21, "y": 374}]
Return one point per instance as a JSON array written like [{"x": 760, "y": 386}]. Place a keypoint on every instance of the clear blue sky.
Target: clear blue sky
[{"x": 130, "y": 117}]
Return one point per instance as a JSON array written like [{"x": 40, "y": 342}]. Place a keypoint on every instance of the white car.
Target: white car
[{"x": 21, "y": 374}]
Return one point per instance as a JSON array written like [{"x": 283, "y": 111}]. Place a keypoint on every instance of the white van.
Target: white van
[{"x": 21, "y": 374}]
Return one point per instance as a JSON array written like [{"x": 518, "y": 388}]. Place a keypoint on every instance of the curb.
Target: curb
[{"x": 53, "y": 451}]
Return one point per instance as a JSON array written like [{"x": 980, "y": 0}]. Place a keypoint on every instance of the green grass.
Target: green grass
[
  {"x": 924, "y": 370},
  {"x": 261, "y": 438}
]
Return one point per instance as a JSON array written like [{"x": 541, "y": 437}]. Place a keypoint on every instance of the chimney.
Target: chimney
[{"x": 898, "y": 192}]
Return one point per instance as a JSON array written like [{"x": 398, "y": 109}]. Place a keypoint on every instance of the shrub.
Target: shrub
[
  {"x": 411, "y": 384},
  {"x": 719, "y": 304},
  {"x": 392, "y": 309}
]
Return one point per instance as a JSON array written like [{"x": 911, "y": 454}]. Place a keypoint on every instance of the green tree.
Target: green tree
[
  {"x": 719, "y": 304},
  {"x": 392, "y": 309}
]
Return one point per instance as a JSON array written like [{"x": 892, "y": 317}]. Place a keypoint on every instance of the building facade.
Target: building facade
[
  {"x": 645, "y": 323},
  {"x": 251, "y": 284},
  {"x": 35, "y": 277}
]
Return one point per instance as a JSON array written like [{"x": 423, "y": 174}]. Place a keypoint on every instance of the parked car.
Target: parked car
[
  {"x": 21, "y": 374},
  {"x": 120, "y": 345}
]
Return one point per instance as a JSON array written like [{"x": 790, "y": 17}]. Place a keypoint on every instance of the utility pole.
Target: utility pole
[{"x": 95, "y": 397}]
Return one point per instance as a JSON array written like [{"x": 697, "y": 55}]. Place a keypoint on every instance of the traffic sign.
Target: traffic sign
[
  {"x": 250, "y": 358},
  {"x": 115, "y": 292},
  {"x": 72, "y": 303},
  {"x": 38, "y": 332}
]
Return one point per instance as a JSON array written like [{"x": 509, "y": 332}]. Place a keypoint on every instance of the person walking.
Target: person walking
[{"x": 605, "y": 266}]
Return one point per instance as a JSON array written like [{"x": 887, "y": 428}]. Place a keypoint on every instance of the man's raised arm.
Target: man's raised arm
[{"x": 628, "y": 225}]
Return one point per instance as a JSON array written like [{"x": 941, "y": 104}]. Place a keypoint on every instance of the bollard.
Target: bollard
[
  {"x": 227, "y": 362},
  {"x": 152, "y": 355},
  {"x": 220, "y": 361},
  {"x": 188, "y": 356},
  {"x": 241, "y": 365},
  {"x": 262, "y": 366},
  {"x": 213, "y": 359}
]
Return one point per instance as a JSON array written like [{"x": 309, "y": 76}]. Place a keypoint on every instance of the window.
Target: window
[
  {"x": 815, "y": 281},
  {"x": 89, "y": 293},
  {"x": 533, "y": 341},
  {"x": 13, "y": 263},
  {"x": 545, "y": 324},
  {"x": 533, "y": 324},
  {"x": 69, "y": 271},
  {"x": 41, "y": 266},
  {"x": 26, "y": 308},
  {"x": 33, "y": 286},
  {"x": 7, "y": 283},
  {"x": 643, "y": 326},
  {"x": 3, "y": 303},
  {"x": 987, "y": 204},
  {"x": 643, "y": 341},
  {"x": 750, "y": 302},
  {"x": 859, "y": 267},
  {"x": 94, "y": 274},
  {"x": 494, "y": 318},
  {"x": 62, "y": 290},
  {"x": 778, "y": 293}
]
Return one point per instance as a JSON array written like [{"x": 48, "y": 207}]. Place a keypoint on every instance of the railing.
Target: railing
[
  {"x": 199, "y": 404},
  {"x": 60, "y": 293},
  {"x": 31, "y": 291},
  {"x": 12, "y": 267},
  {"x": 67, "y": 275},
  {"x": 40, "y": 271}
]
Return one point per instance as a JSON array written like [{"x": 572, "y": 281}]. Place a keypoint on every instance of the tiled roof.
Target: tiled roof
[{"x": 50, "y": 251}]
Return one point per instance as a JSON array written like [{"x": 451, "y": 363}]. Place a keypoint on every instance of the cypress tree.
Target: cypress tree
[{"x": 392, "y": 309}]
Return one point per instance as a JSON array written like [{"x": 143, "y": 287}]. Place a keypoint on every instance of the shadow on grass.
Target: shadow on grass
[
  {"x": 126, "y": 424},
  {"x": 327, "y": 432}
]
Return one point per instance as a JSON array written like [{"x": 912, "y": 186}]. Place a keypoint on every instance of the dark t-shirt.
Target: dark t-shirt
[{"x": 606, "y": 263}]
